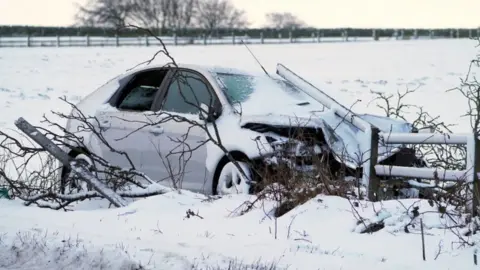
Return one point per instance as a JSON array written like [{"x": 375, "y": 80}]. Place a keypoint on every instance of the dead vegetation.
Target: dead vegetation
[{"x": 235, "y": 264}]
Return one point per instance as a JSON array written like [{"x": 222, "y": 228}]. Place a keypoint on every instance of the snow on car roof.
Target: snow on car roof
[{"x": 204, "y": 68}]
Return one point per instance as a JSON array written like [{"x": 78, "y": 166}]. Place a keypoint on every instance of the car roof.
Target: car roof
[{"x": 200, "y": 68}]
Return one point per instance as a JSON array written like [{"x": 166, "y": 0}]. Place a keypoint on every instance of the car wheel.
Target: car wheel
[
  {"x": 70, "y": 182},
  {"x": 232, "y": 181}
]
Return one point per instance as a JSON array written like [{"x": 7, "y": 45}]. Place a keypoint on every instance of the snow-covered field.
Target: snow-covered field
[
  {"x": 31, "y": 80},
  {"x": 155, "y": 231}
]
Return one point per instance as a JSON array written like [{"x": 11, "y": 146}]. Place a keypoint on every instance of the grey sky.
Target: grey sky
[{"x": 317, "y": 13}]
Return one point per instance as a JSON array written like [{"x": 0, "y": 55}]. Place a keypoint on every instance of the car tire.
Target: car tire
[
  {"x": 231, "y": 181},
  {"x": 67, "y": 184}
]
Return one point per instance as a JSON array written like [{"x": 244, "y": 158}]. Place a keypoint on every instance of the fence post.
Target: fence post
[
  {"x": 290, "y": 36},
  {"x": 473, "y": 168},
  {"x": 262, "y": 40},
  {"x": 58, "y": 41},
  {"x": 451, "y": 33},
  {"x": 415, "y": 33},
  {"x": 432, "y": 34},
  {"x": 117, "y": 41},
  {"x": 370, "y": 179},
  {"x": 81, "y": 171},
  {"x": 319, "y": 37},
  {"x": 402, "y": 34},
  {"x": 233, "y": 38},
  {"x": 175, "y": 37},
  {"x": 458, "y": 33},
  {"x": 28, "y": 41},
  {"x": 88, "y": 40},
  {"x": 279, "y": 37},
  {"x": 146, "y": 41},
  {"x": 204, "y": 39},
  {"x": 345, "y": 34}
]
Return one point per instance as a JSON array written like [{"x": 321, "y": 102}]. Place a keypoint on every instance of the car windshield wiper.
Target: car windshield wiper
[{"x": 303, "y": 103}]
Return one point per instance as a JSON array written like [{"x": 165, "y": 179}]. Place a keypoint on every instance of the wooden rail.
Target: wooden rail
[{"x": 469, "y": 175}]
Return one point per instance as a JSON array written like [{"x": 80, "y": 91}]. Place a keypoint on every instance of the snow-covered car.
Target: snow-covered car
[{"x": 252, "y": 114}]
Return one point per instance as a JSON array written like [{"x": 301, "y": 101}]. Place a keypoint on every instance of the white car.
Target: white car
[{"x": 147, "y": 114}]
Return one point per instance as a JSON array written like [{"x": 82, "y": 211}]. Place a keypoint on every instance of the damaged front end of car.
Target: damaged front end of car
[
  {"x": 301, "y": 148},
  {"x": 295, "y": 147},
  {"x": 312, "y": 145}
]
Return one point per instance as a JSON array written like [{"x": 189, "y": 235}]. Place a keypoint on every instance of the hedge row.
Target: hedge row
[{"x": 9, "y": 31}]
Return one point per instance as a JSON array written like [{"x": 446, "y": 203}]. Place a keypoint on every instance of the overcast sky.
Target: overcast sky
[{"x": 317, "y": 13}]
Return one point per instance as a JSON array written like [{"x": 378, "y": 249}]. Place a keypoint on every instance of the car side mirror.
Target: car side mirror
[{"x": 205, "y": 113}]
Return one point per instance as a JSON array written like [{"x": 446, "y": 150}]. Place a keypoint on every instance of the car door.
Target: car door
[
  {"x": 125, "y": 128},
  {"x": 183, "y": 143}
]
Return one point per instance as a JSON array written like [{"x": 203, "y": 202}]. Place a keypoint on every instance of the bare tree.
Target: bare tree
[
  {"x": 470, "y": 89},
  {"x": 114, "y": 13},
  {"x": 283, "y": 20},
  {"x": 215, "y": 14},
  {"x": 181, "y": 13},
  {"x": 162, "y": 14},
  {"x": 150, "y": 13}
]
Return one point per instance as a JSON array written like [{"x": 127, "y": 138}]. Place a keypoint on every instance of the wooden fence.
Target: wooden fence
[
  {"x": 116, "y": 41},
  {"x": 151, "y": 41},
  {"x": 372, "y": 137},
  {"x": 469, "y": 175}
]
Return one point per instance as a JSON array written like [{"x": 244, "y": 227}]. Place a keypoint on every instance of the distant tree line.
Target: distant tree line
[
  {"x": 160, "y": 15},
  {"x": 209, "y": 15},
  {"x": 10, "y": 31}
]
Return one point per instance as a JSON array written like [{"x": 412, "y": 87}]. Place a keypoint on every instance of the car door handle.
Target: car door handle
[{"x": 156, "y": 130}]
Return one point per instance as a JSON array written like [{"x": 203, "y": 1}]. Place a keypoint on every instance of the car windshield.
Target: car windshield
[{"x": 244, "y": 89}]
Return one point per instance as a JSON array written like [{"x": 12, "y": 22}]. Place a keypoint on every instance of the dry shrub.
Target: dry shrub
[
  {"x": 235, "y": 264},
  {"x": 291, "y": 178}
]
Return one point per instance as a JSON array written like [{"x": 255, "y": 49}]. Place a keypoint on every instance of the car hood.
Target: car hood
[{"x": 347, "y": 141}]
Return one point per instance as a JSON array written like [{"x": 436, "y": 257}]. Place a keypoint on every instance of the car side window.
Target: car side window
[
  {"x": 139, "y": 94},
  {"x": 186, "y": 92}
]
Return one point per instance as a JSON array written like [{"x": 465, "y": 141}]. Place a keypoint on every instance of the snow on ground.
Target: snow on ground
[{"x": 155, "y": 232}]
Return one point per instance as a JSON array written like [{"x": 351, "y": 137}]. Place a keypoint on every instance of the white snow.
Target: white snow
[{"x": 321, "y": 234}]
